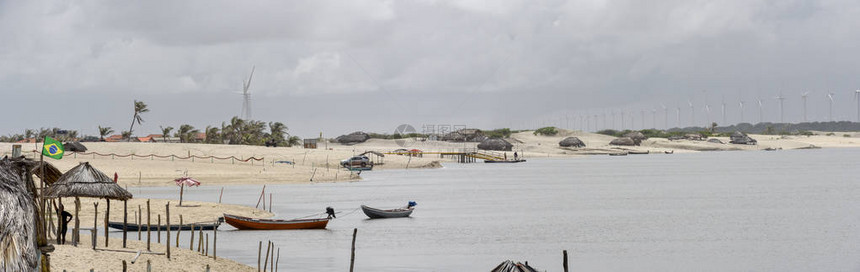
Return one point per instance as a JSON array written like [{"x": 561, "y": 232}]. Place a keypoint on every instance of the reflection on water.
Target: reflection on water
[{"x": 716, "y": 211}]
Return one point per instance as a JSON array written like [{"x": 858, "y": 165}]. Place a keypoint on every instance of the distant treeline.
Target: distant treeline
[
  {"x": 39, "y": 134},
  {"x": 779, "y": 128},
  {"x": 495, "y": 133}
]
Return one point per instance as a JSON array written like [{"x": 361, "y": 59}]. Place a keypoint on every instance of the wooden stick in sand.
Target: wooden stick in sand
[
  {"x": 352, "y": 255},
  {"x": 148, "y": 226},
  {"x": 124, "y": 222},
  {"x": 167, "y": 245}
]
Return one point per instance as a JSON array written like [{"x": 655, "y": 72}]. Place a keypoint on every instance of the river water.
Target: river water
[{"x": 792, "y": 210}]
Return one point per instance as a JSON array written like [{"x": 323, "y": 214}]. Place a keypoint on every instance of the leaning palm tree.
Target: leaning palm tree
[
  {"x": 165, "y": 131},
  {"x": 126, "y": 135},
  {"x": 186, "y": 133},
  {"x": 104, "y": 131},
  {"x": 139, "y": 107}
]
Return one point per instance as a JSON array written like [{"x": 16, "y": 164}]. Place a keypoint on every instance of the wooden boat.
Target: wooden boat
[
  {"x": 618, "y": 154},
  {"x": 375, "y": 213},
  {"x": 136, "y": 227},
  {"x": 504, "y": 161},
  {"x": 669, "y": 152},
  {"x": 632, "y": 152},
  {"x": 247, "y": 223}
]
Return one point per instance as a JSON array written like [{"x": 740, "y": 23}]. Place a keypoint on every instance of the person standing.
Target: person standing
[
  {"x": 65, "y": 218},
  {"x": 515, "y": 156}
]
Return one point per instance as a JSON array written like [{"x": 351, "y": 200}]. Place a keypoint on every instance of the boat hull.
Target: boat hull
[
  {"x": 136, "y": 227},
  {"x": 375, "y": 213},
  {"x": 512, "y": 161},
  {"x": 247, "y": 223}
]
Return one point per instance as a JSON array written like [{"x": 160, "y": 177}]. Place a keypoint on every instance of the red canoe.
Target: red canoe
[{"x": 247, "y": 223}]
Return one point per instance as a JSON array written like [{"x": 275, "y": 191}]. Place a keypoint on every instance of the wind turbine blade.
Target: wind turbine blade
[{"x": 248, "y": 83}]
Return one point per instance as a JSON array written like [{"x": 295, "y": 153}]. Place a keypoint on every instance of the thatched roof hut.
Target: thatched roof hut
[
  {"x": 741, "y": 138},
  {"x": 18, "y": 245},
  {"x": 86, "y": 181},
  {"x": 510, "y": 266},
  {"x": 571, "y": 142},
  {"x": 52, "y": 174},
  {"x": 353, "y": 138},
  {"x": 495, "y": 144},
  {"x": 75, "y": 147},
  {"x": 626, "y": 141}
]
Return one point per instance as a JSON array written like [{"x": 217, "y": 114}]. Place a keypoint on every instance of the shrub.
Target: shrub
[
  {"x": 498, "y": 133},
  {"x": 546, "y": 131}
]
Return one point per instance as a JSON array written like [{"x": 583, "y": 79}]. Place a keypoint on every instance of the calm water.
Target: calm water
[{"x": 718, "y": 211}]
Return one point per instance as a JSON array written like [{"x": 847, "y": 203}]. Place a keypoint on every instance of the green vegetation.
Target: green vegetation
[
  {"x": 546, "y": 131},
  {"x": 498, "y": 133},
  {"x": 56, "y": 133},
  {"x": 395, "y": 136}
]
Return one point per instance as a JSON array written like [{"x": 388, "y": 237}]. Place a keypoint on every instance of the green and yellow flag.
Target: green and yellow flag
[{"x": 52, "y": 148}]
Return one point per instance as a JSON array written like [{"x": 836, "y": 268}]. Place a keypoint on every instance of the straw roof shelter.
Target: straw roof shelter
[
  {"x": 86, "y": 181},
  {"x": 18, "y": 237},
  {"x": 510, "y": 266},
  {"x": 52, "y": 174}
]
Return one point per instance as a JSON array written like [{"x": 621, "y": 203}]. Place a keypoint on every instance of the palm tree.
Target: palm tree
[
  {"x": 278, "y": 130},
  {"x": 165, "y": 131},
  {"x": 294, "y": 140},
  {"x": 104, "y": 131},
  {"x": 126, "y": 135},
  {"x": 186, "y": 133},
  {"x": 139, "y": 107},
  {"x": 212, "y": 135},
  {"x": 29, "y": 133}
]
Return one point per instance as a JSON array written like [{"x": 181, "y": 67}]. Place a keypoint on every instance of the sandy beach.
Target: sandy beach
[{"x": 299, "y": 165}]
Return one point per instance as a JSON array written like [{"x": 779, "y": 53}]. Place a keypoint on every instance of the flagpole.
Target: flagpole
[{"x": 43, "y": 240}]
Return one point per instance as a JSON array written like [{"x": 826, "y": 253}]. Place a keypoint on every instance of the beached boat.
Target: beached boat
[
  {"x": 618, "y": 154},
  {"x": 143, "y": 227},
  {"x": 375, "y": 213},
  {"x": 504, "y": 161},
  {"x": 669, "y": 152},
  {"x": 247, "y": 223},
  {"x": 633, "y": 152}
]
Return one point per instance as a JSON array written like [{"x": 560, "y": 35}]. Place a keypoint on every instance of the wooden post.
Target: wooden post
[
  {"x": 352, "y": 256},
  {"x": 266, "y": 262},
  {"x": 191, "y": 243},
  {"x": 564, "y": 262},
  {"x": 148, "y": 226},
  {"x": 95, "y": 223},
  {"x": 178, "y": 230},
  {"x": 139, "y": 221},
  {"x": 158, "y": 231},
  {"x": 124, "y": 266},
  {"x": 167, "y": 244},
  {"x": 270, "y": 202},
  {"x": 272, "y": 264},
  {"x": 214, "y": 244},
  {"x": 259, "y": 251},
  {"x": 220, "y": 195},
  {"x": 206, "y": 247},
  {"x": 148, "y": 265},
  {"x": 77, "y": 235},
  {"x": 200, "y": 240},
  {"x": 107, "y": 217},
  {"x": 278, "y": 262},
  {"x": 263, "y": 193},
  {"x": 124, "y": 222}
]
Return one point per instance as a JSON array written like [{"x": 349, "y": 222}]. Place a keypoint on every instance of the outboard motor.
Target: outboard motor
[
  {"x": 412, "y": 204},
  {"x": 330, "y": 212}
]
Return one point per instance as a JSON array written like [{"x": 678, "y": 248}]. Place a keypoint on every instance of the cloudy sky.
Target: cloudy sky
[{"x": 340, "y": 66}]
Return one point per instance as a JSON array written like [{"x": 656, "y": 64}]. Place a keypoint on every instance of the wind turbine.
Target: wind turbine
[
  {"x": 692, "y": 113},
  {"x": 830, "y": 96},
  {"x": 678, "y": 111},
  {"x": 708, "y": 114},
  {"x": 781, "y": 115},
  {"x": 654, "y": 118},
  {"x": 741, "y": 104},
  {"x": 760, "y": 110},
  {"x": 665, "y": 115},
  {"x": 724, "y": 110},
  {"x": 857, "y": 97},
  {"x": 622, "y": 119},
  {"x": 246, "y": 103},
  {"x": 643, "y": 118},
  {"x": 613, "y": 119},
  {"x": 803, "y": 96}
]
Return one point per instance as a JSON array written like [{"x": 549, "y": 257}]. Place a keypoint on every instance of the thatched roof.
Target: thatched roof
[
  {"x": 571, "y": 141},
  {"x": 52, "y": 174},
  {"x": 741, "y": 138},
  {"x": 372, "y": 152},
  {"x": 510, "y": 266},
  {"x": 353, "y": 138},
  {"x": 495, "y": 144},
  {"x": 18, "y": 248},
  {"x": 623, "y": 141},
  {"x": 74, "y": 146},
  {"x": 86, "y": 181}
]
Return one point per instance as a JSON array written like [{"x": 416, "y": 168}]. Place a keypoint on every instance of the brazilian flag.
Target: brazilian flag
[{"x": 52, "y": 148}]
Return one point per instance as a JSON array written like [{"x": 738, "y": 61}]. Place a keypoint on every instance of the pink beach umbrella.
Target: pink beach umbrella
[{"x": 182, "y": 182}]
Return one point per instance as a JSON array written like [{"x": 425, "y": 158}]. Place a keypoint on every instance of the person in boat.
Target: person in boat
[
  {"x": 65, "y": 218},
  {"x": 411, "y": 204},
  {"x": 330, "y": 212}
]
